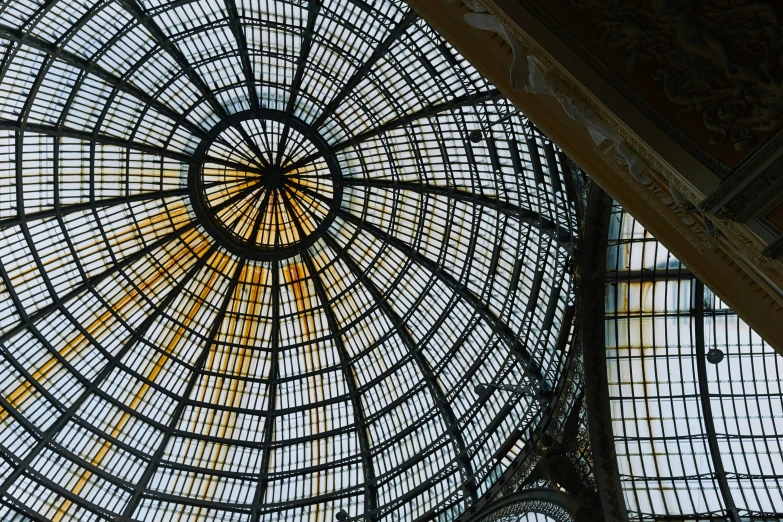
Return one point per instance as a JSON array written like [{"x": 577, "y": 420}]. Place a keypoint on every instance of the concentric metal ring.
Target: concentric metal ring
[{"x": 276, "y": 190}]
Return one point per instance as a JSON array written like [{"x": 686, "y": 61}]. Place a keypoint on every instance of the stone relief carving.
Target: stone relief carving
[
  {"x": 722, "y": 60},
  {"x": 530, "y": 74},
  {"x": 519, "y": 71},
  {"x": 681, "y": 200}
]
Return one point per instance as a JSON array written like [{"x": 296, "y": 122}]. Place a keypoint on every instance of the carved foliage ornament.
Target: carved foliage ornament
[{"x": 723, "y": 59}]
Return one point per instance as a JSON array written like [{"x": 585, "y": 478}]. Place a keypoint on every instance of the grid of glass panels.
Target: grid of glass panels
[
  {"x": 148, "y": 374},
  {"x": 694, "y": 439}
]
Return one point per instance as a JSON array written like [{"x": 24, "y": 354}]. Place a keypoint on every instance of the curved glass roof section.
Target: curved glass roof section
[
  {"x": 151, "y": 369},
  {"x": 698, "y": 436}
]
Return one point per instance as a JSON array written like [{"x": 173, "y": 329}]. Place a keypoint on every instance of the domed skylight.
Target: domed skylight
[{"x": 252, "y": 267}]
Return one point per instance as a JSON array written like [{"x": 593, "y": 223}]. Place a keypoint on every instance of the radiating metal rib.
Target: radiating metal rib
[
  {"x": 164, "y": 42},
  {"x": 370, "y": 487},
  {"x": 434, "y": 387},
  {"x": 156, "y": 458},
  {"x": 95, "y": 280},
  {"x": 427, "y": 112},
  {"x": 63, "y": 420},
  {"x": 74, "y": 60},
  {"x": 274, "y": 374},
  {"x": 146, "y": 21},
  {"x": 561, "y": 234},
  {"x": 467, "y": 100},
  {"x": 380, "y": 51},
  {"x": 50, "y": 130},
  {"x": 304, "y": 53},
  {"x": 239, "y": 36},
  {"x": 531, "y": 366}
]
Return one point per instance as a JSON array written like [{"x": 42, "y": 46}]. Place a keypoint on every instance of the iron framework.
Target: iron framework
[
  {"x": 153, "y": 366},
  {"x": 693, "y": 440}
]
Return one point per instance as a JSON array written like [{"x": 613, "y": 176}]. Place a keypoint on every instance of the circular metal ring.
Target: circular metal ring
[{"x": 269, "y": 177}]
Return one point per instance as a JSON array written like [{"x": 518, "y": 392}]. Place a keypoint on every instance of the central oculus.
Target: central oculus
[{"x": 264, "y": 185}]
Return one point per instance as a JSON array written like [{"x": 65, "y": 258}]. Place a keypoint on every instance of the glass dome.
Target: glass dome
[{"x": 255, "y": 258}]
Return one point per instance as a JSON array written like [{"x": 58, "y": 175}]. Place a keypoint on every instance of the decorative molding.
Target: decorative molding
[
  {"x": 734, "y": 177},
  {"x": 744, "y": 174},
  {"x": 529, "y": 73},
  {"x": 775, "y": 250},
  {"x": 659, "y": 195},
  {"x": 749, "y": 246},
  {"x": 747, "y": 169},
  {"x": 757, "y": 188},
  {"x": 701, "y": 231}
]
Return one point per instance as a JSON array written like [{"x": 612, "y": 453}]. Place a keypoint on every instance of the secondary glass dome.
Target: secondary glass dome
[{"x": 253, "y": 266}]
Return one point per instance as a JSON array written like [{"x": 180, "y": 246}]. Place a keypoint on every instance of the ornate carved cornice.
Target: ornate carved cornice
[
  {"x": 576, "y": 90},
  {"x": 750, "y": 194},
  {"x": 744, "y": 245}
]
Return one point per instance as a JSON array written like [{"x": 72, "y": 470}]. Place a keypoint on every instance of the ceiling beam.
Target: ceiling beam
[{"x": 591, "y": 332}]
